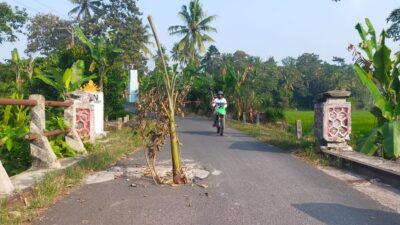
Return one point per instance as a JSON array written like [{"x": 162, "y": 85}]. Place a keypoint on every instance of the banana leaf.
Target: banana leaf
[
  {"x": 380, "y": 102},
  {"x": 391, "y": 139},
  {"x": 369, "y": 146},
  {"x": 382, "y": 62}
]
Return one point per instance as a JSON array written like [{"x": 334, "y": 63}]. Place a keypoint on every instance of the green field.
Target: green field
[{"x": 362, "y": 121}]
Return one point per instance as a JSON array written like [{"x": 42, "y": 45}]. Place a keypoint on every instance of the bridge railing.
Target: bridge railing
[{"x": 42, "y": 153}]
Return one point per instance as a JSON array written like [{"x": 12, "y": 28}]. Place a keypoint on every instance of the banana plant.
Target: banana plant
[
  {"x": 64, "y": 81},
  {"x": 379, "y": 72},
  {"x": 102, "y": 52},
  {"x": 21, "y": 67},
  {"x": 235, "y": 79}
]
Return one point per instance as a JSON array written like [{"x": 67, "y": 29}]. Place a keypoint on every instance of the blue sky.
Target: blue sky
[{"x": 264, "y": 28}]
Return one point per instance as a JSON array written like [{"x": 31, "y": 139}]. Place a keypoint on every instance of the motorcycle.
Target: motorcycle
[{"x": 221, "y": 112}]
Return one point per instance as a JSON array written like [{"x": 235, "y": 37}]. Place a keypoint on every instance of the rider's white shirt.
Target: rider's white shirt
[{"x": 218, "y": 102}]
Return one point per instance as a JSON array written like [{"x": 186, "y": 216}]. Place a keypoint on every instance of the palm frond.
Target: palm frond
[{"x": 207, "y": 20}]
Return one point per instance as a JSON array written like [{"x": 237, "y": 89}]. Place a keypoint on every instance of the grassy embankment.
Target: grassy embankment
[{"x": 57, "y": 183}]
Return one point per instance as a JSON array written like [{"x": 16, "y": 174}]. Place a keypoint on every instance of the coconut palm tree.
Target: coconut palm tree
[
  {"x": 195, "y": 29},
  {"x": 84, "y": 8}
]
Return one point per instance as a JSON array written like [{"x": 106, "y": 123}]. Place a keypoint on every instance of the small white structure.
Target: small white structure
[
  {"x": 133, "y": 86},
  {"x": 98, "y": 105},
  {"x": 97, "y": 101}
]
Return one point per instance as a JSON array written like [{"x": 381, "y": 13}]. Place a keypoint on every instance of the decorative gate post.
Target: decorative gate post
[
  {"x": 83, "y": 115},
  {"x": 332, "y": 120},
  {"x": 41, "y": 151},
  {"x": 72, "y": 138}
]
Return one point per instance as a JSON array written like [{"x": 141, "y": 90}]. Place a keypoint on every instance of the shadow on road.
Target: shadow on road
[
  {"x": 328, "y": 214},
  {"x": 203, "y": 133},
  {"x": 254, "y": 146}
]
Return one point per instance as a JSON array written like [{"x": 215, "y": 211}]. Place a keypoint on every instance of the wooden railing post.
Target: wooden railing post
[{"x": 41, "y": 151}]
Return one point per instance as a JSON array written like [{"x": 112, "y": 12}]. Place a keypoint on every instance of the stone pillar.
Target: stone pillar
[
  {"x": 126, "y": 119},
  {"x": 244, "y": 117},
  {"x": 72, "y": 138},
  {"x": 6, "y": 187},
  {"x": 258, "y": 119},
  {"x": 332, "y": 120},
  {"x": 41, "y": 151},
  {"x": 299, "y": 129},
  {"x": 120, "y": 123}
]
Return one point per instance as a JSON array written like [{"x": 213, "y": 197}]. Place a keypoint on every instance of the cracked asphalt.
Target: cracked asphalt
[{"x": 259, "y": 184}]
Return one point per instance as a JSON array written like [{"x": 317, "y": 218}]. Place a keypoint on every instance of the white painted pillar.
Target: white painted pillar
[{"x": 133, "y": 86}]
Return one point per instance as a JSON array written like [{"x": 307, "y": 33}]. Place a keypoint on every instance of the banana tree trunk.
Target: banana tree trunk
[
  {"x": 101, "y": 81},
  {"x": 176, "y": 166},
  {"x": 18, "y": 82}
]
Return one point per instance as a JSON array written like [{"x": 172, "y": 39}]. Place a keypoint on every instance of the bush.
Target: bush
[{"x": 273, "y": 115}]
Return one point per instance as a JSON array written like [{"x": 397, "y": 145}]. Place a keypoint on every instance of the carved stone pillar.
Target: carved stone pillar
[
  {"x": 41, "y": 151},
  {"x": 72, "y": 138},
  {"x": 83, "y": 115},
  {"x": 332, "y": 120}
]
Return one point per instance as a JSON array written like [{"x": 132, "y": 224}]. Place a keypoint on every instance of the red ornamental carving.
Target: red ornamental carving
[
  {"x": 83, "y": 123},
  {"x": 337, "y": 123}
]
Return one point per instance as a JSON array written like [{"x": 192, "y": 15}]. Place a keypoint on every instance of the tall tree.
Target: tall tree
[
  {"x": 195, "y": 29},
  {"x": 212, "y": 60},
  {"x": 394, "y": 29},
  {"x": 121, "y": 22},
  {"x": 85, "y": 8},
  {"x": 11, "y": 22},
  {"x": 48, "y": 33}
]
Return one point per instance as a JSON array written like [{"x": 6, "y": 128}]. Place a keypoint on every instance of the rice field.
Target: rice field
[{"x": 362, "y": 121}]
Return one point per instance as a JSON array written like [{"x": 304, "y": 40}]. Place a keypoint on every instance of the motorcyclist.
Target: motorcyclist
[{"x": 218, "y": 102}]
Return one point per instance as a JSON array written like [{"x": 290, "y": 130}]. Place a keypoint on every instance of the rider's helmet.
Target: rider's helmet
[{"x": 220, "y": 93}]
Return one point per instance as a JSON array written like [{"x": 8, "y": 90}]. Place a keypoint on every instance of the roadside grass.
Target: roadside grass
[{"x": 56, "y": 183}]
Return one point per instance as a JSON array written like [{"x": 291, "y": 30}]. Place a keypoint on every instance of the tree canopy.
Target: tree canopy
[
  {"x": 11, "y": 22},
  {"x": 48, "y": 33}
]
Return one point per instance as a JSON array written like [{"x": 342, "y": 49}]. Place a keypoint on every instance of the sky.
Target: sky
[{"x": 265, "y": 28}]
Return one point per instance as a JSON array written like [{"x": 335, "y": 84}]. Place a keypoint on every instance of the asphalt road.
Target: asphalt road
[{"x": 259, "y": 184}]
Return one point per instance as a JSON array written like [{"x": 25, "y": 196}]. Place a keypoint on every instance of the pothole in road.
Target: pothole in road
[{"x": 193, "y": 172}]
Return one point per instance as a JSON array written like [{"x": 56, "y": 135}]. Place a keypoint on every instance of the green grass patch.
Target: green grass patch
[{"x": 56, "y": 183}]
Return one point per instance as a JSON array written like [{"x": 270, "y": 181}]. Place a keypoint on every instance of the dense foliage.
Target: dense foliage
[
  {"x": 72, "y": 52},
  {"x": 253, "y": 85}
]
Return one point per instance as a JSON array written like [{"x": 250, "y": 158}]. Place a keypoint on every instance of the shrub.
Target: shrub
[{"x": 273, "y": 115}]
